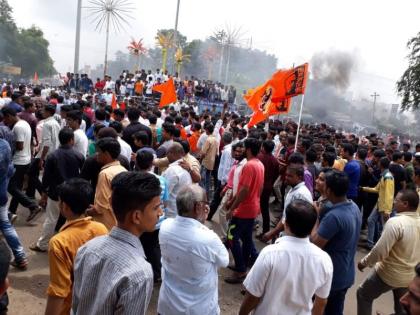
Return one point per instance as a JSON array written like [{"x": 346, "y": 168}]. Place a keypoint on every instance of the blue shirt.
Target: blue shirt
[
  {"x": 340, "y": 225},
  {"x": 352, "y": 169},
  {"x": 164, "y": 196}
]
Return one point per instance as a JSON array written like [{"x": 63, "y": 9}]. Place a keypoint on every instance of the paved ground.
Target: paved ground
[{"x": 27, "y": 291}]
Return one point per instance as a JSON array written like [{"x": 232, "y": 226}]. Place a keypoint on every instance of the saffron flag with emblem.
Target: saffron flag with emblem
[
  {"x": 168, "y": 93},
  {"x": 274, "y": 96}
]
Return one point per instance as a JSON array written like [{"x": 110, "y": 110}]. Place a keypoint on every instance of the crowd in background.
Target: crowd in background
[{"x": 127, "y": 188}]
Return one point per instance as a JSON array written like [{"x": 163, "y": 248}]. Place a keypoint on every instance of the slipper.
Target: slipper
[
  {"x": 36, "y": 248},
  {"x": 235, "y": 280},
  {"x": 33, "y": 214},
  {"x": 21, "y": 265}
]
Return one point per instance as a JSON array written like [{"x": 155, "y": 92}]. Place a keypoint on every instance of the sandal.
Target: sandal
[
  {"x": 21, "y": 264},
  {"x": 36, "y": 248},
  {"x": 34, "y": 213}
]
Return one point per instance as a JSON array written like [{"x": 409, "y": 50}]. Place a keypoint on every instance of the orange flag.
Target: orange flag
[
  {"x": 114, "y": 103},
  {"x": 289, "y": 83},
  {"x": 274, "y": 96},
  {"x": 168, "y": 93},
  {"x": 36, "y": 77},
  {"x": 282, "y": 107}
]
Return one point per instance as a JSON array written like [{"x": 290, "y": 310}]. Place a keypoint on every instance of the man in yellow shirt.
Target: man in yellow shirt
[
  {"x": 107, "y": 152},
  {"x": 74, "y": 197},
  {"x": 383, "y": 209},
  {"x": 394, "y": 256}
]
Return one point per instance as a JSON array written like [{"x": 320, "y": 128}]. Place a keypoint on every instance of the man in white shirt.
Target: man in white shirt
[
  {"x": 108, "y": 96},
  {"x": 126, "y": 150},
  {"x": 109, "y": 84},
  {"x": 176, "y": 177},
  {"x": 81, "y": 142},
  {"x": 287, "y": 275},
  {"x": 294, "y": 178},
  {"x": 21, "y": 160},
  {"x": 49, "y": 134},
  {"x": 191, "y": 255}
]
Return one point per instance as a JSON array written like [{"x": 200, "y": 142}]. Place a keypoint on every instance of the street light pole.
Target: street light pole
[
  {"x": 374, "y": 95},
  {"x": 176, "y": 35},
  {"x": 77, "y": 42},
  {"x": 106, "y": 43}
]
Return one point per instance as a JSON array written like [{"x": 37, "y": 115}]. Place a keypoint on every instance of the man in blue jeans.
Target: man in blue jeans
[
  {"x": 9, "y": 232},
  {"x": 338, "y": 232}
]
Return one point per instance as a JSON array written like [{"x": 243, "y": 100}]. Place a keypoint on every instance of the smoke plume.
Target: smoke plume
[{"x": 333, "y": 68}]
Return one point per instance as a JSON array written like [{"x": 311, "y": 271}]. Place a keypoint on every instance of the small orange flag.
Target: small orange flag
[
  {"x": 114, "y": 103},
  {"x": 168, "y": 93},
  {"x": 36, "y": 77}
]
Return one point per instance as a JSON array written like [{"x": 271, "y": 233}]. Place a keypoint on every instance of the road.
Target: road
[{"x": 27, "y": 291}]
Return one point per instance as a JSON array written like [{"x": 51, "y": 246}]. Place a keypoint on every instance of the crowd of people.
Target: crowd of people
[{"x": 127, "y": 189}]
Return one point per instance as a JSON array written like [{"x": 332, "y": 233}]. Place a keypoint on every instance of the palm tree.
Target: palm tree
[
  {"x": 165, "y": 42},
  {"x": 136, "y": 48},
  {"x": 180, "y": 57}
]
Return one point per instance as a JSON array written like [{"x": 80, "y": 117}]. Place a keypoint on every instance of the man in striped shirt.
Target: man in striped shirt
[{"x": 111, "y": 274}]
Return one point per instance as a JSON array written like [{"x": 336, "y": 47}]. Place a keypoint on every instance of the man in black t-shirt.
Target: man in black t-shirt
[{"x": 398, "y": 172}]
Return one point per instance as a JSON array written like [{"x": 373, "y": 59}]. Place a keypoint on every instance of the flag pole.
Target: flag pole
[{"x": 300, "y": 118}]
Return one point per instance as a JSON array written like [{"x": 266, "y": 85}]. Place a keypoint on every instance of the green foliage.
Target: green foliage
[
  {"x": 408, "y": 86},
  {"x": 25, "y": 48}
]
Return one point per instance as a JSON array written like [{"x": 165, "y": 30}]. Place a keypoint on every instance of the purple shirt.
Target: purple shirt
[{"x": 309, "y": 181}]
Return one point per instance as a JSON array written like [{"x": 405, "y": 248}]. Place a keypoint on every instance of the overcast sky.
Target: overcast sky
[{"x": 375, "y": 31}]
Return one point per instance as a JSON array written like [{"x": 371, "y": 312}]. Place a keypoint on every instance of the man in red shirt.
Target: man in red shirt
[{"x": 243, "y": 211}]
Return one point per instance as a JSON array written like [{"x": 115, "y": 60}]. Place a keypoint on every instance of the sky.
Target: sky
[{"x": 375, "y": 32}]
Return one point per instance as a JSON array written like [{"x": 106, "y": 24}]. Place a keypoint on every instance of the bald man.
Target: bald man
[{"x": 176, "y": 177}]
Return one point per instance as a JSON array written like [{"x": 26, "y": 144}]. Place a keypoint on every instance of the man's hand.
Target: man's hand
[
  {"x": 133, "y": 156},
  {"x": 41, "y": 164},
  {"x": 317, "y": 206},
  {"x": 360, "y": 266},
  {"x": 43, "y": 201},
  {"x": 385, "y": 216},
  {"x": 185, "y": 165},
  {"x": 268, "y": 236}
]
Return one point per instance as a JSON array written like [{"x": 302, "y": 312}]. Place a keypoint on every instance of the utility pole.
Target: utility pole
[
  {"x": 175, "y": 36},
  {"x": 374, "y": 95},
  {"x": 77, "y": 43}
]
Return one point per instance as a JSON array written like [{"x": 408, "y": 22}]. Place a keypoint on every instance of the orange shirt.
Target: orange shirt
[
  {"x": 62, "y": 252},
  {"x": 138, "y": 87},
  {"x": 193, "y": 141},
  {"x": 182, "y": 131}
]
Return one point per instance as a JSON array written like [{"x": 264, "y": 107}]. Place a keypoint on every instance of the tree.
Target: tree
[
  {"x": 25, "y": 48},
  {"x": 408, "y": 86},
  {"x": 137, "y": 48},
  {"x": 165, "y": 40},
  {"x": 34, "y": 55},
  {"x": 180, "y": 58},
  {"x": 8, "y": 31}
]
